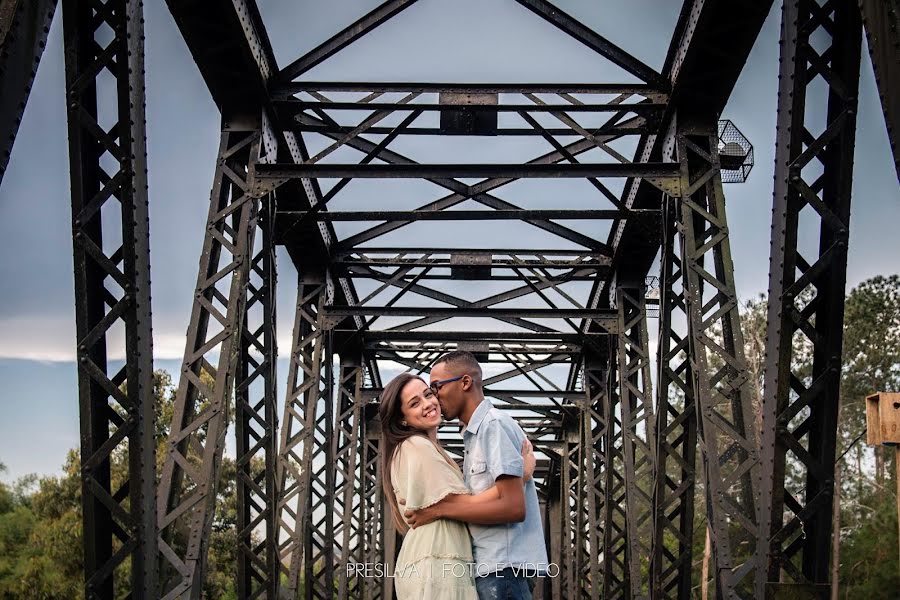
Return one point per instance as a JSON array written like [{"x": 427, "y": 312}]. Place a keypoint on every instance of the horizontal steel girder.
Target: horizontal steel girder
[
  {"x": 412, "y": 311},
  {"x": 291, "y": 107},
  {"x": 471, "y": 215},
  {"x": 668, "y": 171},
  {"x": 449, "y": 336},
  {"x": 286, "y": 90}
]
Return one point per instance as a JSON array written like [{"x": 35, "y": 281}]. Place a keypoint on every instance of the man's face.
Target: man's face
[{"x": 451, "y": 395}]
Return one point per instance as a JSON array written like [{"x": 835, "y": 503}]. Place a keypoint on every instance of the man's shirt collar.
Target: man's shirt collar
[{"x": 478, "y": 416}]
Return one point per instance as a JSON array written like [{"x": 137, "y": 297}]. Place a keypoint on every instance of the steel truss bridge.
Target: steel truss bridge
[{"x": 620, "y": 460}]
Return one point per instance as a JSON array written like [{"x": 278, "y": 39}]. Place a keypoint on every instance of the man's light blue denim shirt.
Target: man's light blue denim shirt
[{"x": 493, "y": 443}]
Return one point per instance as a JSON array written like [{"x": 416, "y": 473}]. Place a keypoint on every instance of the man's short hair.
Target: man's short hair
[{"x": 461, "y": 361}]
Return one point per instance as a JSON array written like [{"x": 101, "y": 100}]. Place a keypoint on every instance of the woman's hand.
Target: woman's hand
[
  {"x": 423, "y": 516},
  {"x": 528, "y": 457}
]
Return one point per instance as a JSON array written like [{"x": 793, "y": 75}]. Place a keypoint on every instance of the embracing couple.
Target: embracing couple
[{"x": 431, "y": 500}]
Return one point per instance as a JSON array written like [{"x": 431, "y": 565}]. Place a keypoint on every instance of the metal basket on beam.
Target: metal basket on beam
[{"x": 735, "y": 153}]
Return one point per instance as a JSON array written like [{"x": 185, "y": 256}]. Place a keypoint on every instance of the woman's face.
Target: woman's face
[{"x": 419, "y": 406}]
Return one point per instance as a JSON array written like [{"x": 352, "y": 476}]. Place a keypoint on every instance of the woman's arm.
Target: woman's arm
[{"x": 530, "y": 460}]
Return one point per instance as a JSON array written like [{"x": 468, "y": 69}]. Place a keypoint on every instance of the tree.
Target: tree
[
  {"x": 40, "y": 523},
  {"x": 870, "y": 357},
  {"x": 40, "y": 537},
  {"x": 871, "y": 363}
]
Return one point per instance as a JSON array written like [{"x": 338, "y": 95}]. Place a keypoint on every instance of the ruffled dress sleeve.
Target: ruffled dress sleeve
[{"x": 423, "y": 475}]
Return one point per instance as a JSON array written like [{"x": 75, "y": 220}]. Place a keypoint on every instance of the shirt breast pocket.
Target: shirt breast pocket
[{"x": 479, "y": 476}]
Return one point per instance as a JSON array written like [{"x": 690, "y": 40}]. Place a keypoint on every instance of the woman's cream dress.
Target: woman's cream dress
[{"x": 435, "y": 560}]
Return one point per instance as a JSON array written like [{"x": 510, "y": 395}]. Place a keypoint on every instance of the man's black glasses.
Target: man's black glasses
[{"x": 437, "y": 385}]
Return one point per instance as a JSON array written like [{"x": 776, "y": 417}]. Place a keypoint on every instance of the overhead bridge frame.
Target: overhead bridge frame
[{"x": 618, "y": 465}]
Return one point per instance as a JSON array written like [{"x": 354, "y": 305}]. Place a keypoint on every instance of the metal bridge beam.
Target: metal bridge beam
[
  {"x": 190, "y": 476},
  {"x": 307, "y": 409},
  {"x": 24, "y": 25},
  {"x": 638, "y": 433},
  {"x": 616, "y": 547},
  {"x": 813, "y": 171},
  {"x": 111, "y": 243},
  {"x": 882, "y": 25},
  {"x": 725, "y": 430},
  {"x": 256, "y": 421},
  {"x": 671, "y": 560},
  {"x": 709, "y": 48}
]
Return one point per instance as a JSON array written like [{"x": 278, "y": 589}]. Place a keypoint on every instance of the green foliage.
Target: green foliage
[
  {"x": 41, "y": 523},
  {"x": 871, "y": 363},
  {"x": 40, "y": 537},
  {"x": 869, "y": 563},
  {"x": 871, "y": 355}
]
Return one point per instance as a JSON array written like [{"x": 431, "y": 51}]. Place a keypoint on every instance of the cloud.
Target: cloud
[
  {"x": 52, "y": 339},
  {"x": 45, "y": 338}
]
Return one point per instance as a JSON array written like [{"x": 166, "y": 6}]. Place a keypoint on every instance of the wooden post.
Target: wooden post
[
  {"x": 883, "y": 428},
  {"x": 897, "y": 469},
  {"x": 704, "y": 572},
  {"x": 836, "y": 524}
]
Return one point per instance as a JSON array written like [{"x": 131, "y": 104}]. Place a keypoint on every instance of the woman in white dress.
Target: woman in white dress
[{"x": 435, "y": 560}]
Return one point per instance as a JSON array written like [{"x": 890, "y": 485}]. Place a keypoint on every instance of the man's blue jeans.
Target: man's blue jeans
[{"x": 504, "y": 585}]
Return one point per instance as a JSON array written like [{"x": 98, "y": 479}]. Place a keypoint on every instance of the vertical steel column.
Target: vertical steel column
[
  {"x": 256, "y": 422},
  {"x": 108, "y": 166},
  {"x": 348, "y": 451},
  {"x": 616, "y": 550},
  {"x": 813, "y": 171},
  {"x": 593, "y": 436},
  {"x": 724, "y": 414},
  {"x": 570, "y": 508},
  {"x": 374, "y": 521},
  {"x": 24, "y": 25},
  {"x": 390, "y": 544},
  {"x": 676, "y": 428},
  {"x": 554, "y": 521},
  {"x": 297, "y": 436},
  {"x": 638, "y": 433},
  {"x": 187, "y": 492},
  {"x": 319, "y": 552}
]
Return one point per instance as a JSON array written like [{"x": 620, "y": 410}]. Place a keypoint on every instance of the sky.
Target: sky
[{"x": 434, "y": 40}]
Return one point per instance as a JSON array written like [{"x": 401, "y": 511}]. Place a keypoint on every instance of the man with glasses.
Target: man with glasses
[{"x": 507, "y": 536}]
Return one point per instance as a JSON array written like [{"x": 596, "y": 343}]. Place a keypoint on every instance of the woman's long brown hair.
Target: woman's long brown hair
[{"x": 392, "y": 435}]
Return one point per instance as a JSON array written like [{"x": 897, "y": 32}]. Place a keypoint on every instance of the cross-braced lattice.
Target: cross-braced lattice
[
  {"x": 111, "y": 231},
  {"x": 813, "y": 176},
  {"x": 196, "y": 442}
]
